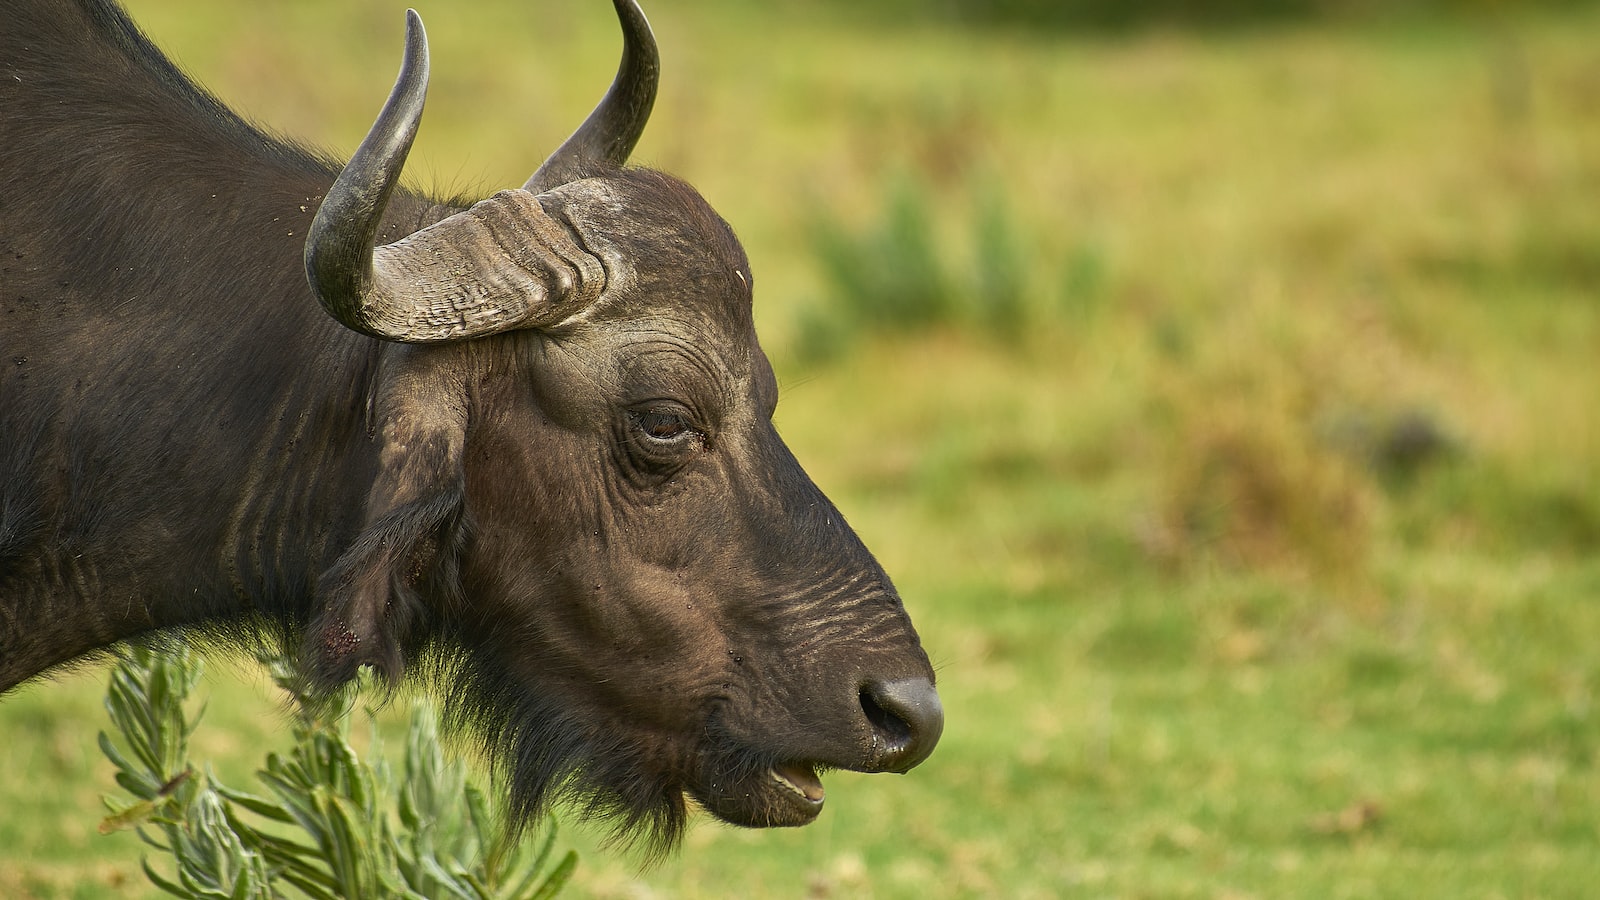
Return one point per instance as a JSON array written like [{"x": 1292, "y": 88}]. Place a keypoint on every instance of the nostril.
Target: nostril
[
  {"x": 893, "y": 731},
  {"x": 907, "y": 719}
]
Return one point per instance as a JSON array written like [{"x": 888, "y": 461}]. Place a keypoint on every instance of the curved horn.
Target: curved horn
[
  {"x": 613, "y": 128},
  {"x": 338, "y": 253},
  {"x": 503, "y": 264}
]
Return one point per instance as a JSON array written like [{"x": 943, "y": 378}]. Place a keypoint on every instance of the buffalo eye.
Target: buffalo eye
[
  {"x": 666, "y": 428},
  {"x": 661, "y": 426}
]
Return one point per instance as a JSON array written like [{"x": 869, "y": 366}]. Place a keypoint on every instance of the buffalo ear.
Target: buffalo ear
[{"x": 404, "y": 563}]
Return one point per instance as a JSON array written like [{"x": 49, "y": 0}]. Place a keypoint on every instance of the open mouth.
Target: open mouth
[
  {"x": 800, "y": 779},
  {"x": 782, "y": 795},
  {"x": 743, "y": 783}
]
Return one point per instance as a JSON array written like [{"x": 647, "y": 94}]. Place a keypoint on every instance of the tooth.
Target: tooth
[
  {"x": 786, "y": 784},
  {"x": 799, "y": 779}
]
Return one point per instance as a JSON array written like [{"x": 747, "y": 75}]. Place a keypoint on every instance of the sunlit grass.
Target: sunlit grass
[{"x": 1199, "y": 633}]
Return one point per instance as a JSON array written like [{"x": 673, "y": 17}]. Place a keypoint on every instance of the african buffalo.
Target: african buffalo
[{"x": 520, "y": 451}]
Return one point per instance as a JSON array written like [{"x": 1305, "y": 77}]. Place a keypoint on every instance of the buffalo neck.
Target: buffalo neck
[{"x": 246, "y": 484}]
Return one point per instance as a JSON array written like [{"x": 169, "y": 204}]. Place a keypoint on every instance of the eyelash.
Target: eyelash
[{"x": 661, "y": 425}]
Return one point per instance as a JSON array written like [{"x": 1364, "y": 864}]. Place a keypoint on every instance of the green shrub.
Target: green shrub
[
  {"x": 322, "y": 825},
  {"x": 898, "y": 274}
]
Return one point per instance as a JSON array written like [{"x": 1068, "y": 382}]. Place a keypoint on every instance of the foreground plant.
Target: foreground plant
[{"x": 322, "y": 826}]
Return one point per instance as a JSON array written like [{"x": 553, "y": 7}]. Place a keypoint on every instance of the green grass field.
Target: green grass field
[{"x": 1244, "y": 487}]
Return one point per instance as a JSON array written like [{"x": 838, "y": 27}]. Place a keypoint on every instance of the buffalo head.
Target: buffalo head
[{"x": 582, "y": 518}]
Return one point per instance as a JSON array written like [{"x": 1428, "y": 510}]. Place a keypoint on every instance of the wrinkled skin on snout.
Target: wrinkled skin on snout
[{"x": 674, "y": 605}]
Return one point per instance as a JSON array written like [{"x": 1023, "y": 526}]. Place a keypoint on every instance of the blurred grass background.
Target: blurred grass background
[{"x": 1221, "y": 395}]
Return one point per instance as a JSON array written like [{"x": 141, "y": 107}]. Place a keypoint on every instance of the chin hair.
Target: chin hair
[{"x": 544, "y": 756}]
